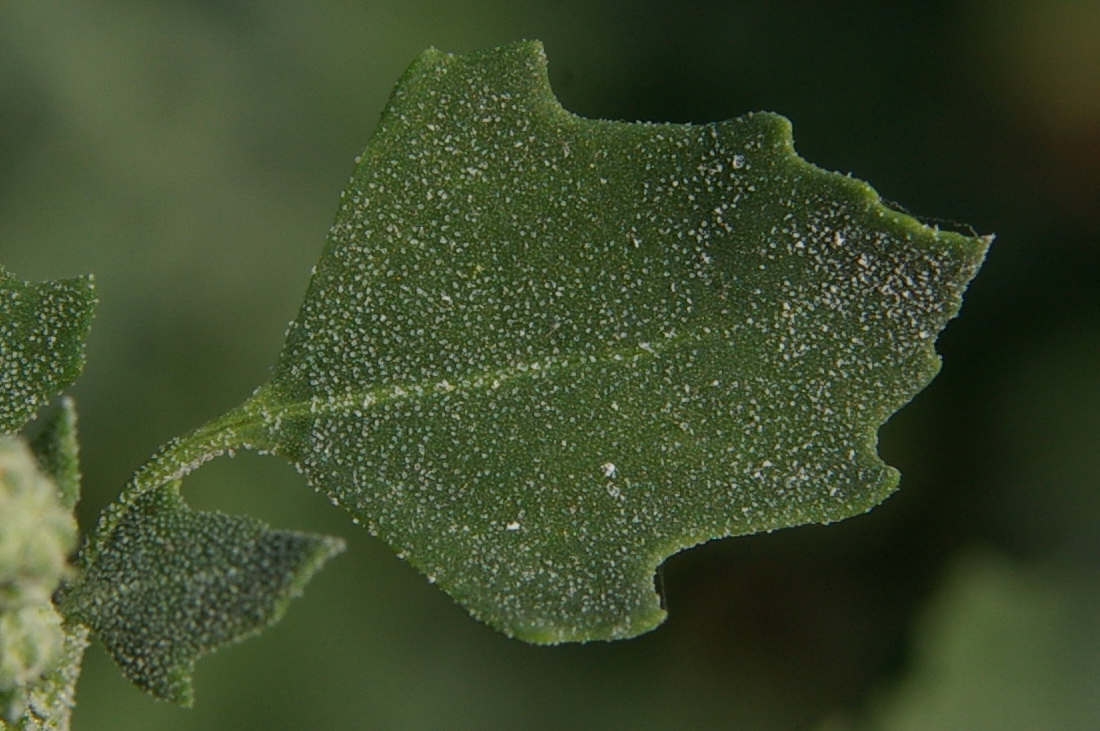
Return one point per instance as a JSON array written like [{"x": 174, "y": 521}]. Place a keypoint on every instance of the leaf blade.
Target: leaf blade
[
  {"x": 533, "y": 338},
  {"x": 170, "y": 584},
  {"x": 58, "y": 452},
  {"x": 540, "y": 353},
  {"x": 42, "y": 332}
]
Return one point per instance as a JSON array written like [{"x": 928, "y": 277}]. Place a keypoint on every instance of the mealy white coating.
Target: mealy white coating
[
  {"x": 42, "y": 328},
  {"x": 542, "y": 353}
]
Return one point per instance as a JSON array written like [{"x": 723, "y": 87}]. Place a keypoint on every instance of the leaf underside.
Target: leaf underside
[
  {"x": 540, "y": 353},
  {"x": 42, "y": 332}
]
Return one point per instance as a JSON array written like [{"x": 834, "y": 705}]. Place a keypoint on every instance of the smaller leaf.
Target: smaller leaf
[
  {"x": 42, "y": 331},
  {"x": 58, "y": 452},
  {"x": 173, "y": 584}
]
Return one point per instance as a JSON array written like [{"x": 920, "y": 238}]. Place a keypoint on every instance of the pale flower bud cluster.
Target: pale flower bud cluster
[{"x": 36, "y": 536}]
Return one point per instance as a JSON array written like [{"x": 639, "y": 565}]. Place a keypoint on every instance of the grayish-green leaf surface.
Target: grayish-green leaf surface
[
  {"x": 175, "y": 583},
  {"x": 542, "y": 353},
  {"x": 42, "y": 331}
]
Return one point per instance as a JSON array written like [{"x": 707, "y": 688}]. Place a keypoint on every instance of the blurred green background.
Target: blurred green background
[{"x": 191, "y": 155}]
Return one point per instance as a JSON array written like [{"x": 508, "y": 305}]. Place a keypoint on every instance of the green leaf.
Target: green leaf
[
  {"x": 541, "y": 353},
  {"x": 42, "y": 331},
  {"x": 174, "y": 584},
  {"x": 58, "y": 452}
]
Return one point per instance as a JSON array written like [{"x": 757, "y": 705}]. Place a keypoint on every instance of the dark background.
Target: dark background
[{"x": 191, "y": 155}]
